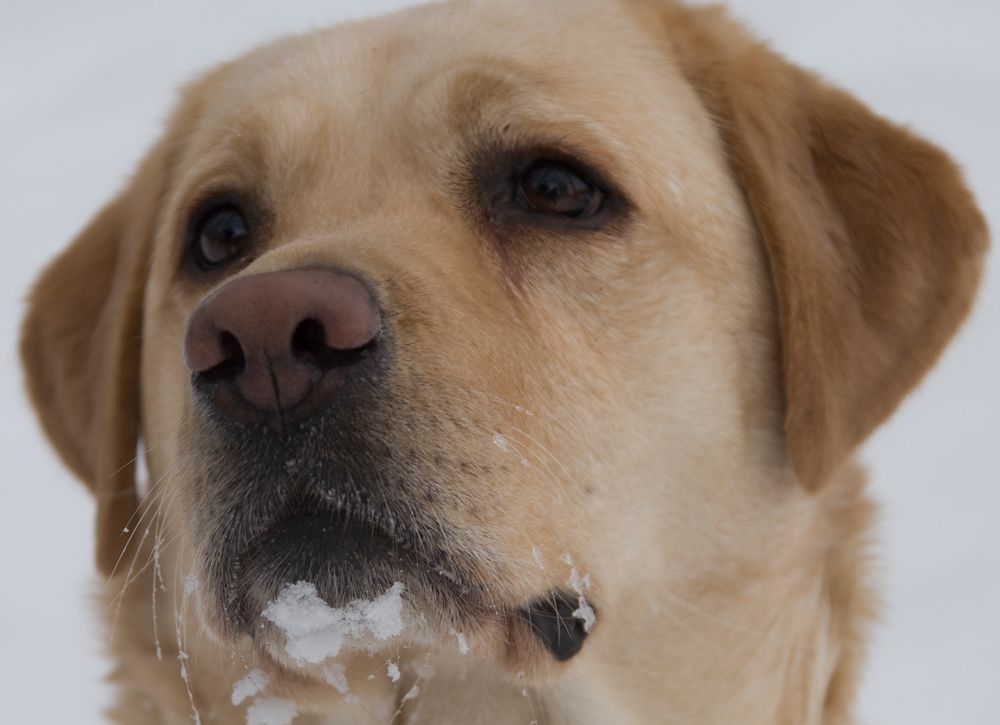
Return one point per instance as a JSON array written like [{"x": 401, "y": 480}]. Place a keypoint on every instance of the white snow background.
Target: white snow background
[{"x": 84, "y": 89}]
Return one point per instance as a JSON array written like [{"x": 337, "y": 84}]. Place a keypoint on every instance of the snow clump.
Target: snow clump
[
  {"x": 254, "y": 682},
  {"x": 584, "y": 612},
  {"x": 272, "y": 711},
  {"x": 315, "y": 631}
]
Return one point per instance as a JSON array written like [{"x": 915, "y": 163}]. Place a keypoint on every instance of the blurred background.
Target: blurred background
[{"x": 84, "y": 89}]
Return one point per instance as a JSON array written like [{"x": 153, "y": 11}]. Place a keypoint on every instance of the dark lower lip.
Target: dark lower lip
[
  {"x": 346, "y": 558},
  {"x": 331, "y": 535}
]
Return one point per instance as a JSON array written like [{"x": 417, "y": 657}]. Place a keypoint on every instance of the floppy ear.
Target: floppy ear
[
  {"x": 80, "y": 345},
  {"x": 874, "y": 243}
]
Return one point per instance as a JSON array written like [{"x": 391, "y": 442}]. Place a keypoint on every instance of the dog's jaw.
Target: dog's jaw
[{"x": 817, "y": 632}]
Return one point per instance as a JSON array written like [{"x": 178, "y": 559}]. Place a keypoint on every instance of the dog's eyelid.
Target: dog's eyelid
[{"x": 592, "y": 167}]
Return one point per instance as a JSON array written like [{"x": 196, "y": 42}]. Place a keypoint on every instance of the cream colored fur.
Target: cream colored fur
[{"x": 680, "y": 404}]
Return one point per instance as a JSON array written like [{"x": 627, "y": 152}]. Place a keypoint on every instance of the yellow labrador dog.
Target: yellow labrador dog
[{"x": 499, "y": 362}]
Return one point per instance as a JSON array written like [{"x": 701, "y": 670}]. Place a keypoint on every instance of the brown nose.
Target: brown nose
[{"x": 280, "y": 343}]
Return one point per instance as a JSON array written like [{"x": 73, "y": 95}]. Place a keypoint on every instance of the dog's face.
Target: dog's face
[
  {"x": 465, "y": 301},
  {"x": 541, "y": 336}
]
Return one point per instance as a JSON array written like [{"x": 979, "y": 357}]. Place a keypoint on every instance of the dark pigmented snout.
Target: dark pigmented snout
[{"x": 280, "y": 343}]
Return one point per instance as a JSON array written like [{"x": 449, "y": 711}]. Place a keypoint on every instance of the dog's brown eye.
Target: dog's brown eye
[
  {"x": 552, "y": 188},
  {"x": 220, "y": 237}
]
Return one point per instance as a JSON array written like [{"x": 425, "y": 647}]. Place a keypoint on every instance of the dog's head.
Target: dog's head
[{"x": 485, "y": 299}]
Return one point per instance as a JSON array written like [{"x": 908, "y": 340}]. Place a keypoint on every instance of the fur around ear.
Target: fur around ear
[
  {"x": 80, "y": 348},
  {"x": 874, "y": 243}
]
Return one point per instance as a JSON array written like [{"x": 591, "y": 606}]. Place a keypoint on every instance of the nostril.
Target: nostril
[
  {"x": 309, "y": 340},
  {"x": 231, "y": 359},
  {"x": 309, "y": 345}
]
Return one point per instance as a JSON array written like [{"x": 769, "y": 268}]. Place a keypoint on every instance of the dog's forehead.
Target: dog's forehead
[
  {"x": 447, "y": 64},
  {"x": 566, "y": 39},
  {"x": 351, "y": 107}
]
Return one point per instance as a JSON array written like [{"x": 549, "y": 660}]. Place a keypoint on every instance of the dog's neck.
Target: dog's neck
[{"x": 785, "y": 649}]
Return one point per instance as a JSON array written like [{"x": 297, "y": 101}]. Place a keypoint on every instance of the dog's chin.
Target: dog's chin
[
  {"x": 316, "y": 586},
  {"x": 342, "y": 563}
]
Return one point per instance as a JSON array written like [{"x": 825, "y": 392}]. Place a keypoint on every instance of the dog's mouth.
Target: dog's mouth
[
  {"x": 332, "y": 502},
  {"x": 334, "y": 520},
  {"x": 317, "y": 580},
  {"x": 344, "y": 557}
]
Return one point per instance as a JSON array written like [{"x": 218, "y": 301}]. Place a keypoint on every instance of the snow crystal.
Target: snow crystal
[
  {"x": 536, "y": 554},
  {"x": 392, "y": 669},
  {"x": 273, "y": 711},
  {"x": 157, "y": 580},
  {"x": 414, "y": 691},
  {"x": 316, "y": 631},
  {"x": 182, "y": 656},
  {"x": 501, "y": 442},
  {"x": 463, "y": 644},
  {"x": 335, "y": 674},
  {"x": 252, "y": 684},
  {"x": 447, "y": 574},
  {"x": 584, "y": 612}
]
